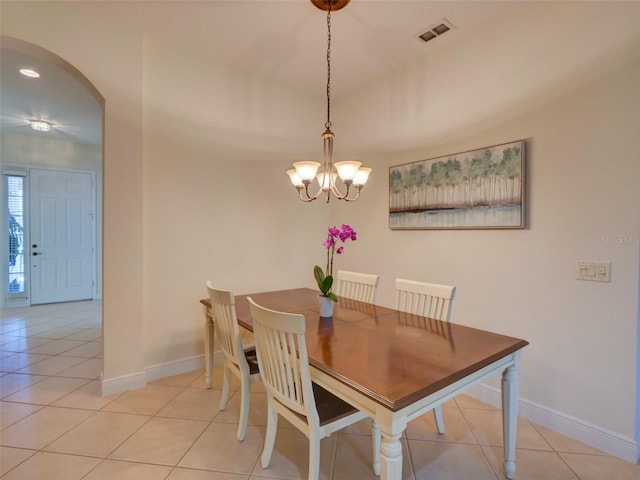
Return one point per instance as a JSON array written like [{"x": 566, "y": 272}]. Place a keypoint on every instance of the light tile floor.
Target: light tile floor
[{"x": 55, "y": 425}]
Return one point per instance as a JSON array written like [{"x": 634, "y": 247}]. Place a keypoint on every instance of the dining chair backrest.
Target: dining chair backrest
[
  {"x": 237, "y": 360},
  {"x": 223, "y": 309},
  {"x": 284, "y": 365},
  {"x": 357, "y": 286},
  {"x": 283, "y": 360},
  {"x": 426, "y": 299}
]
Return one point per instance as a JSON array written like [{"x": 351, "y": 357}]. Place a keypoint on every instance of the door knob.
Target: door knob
[
  {"x": 34, "y": 246},
  {"x": 36, "y": 253}
]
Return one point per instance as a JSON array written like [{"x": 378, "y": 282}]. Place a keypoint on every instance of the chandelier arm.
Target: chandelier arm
[
  {"x": 338, "y": 194},
  {"x": 309, "y": 198},
  {"x": 346, "y": 196},
  {"x": 352, "y": 199},
  {"x": 306, "y": 191}
]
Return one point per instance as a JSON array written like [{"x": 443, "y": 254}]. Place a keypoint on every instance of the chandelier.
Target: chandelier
[{"x": 351, "y": 173}]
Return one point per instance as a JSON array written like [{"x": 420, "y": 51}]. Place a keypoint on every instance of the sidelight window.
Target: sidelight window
[{"x": 15, "y": 186}]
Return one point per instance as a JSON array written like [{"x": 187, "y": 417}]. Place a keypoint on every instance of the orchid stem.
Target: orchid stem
[
  {"x": 331, "y": 264},
  {"x": 328, "y": 256}
]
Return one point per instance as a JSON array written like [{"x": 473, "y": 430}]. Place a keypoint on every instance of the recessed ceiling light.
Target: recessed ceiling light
[
  {"x": 40, "y": 126},
  {"x": 27, "y": 72}
]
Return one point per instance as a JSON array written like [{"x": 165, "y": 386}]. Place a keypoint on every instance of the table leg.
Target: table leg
[
  {"x": 209, "y": 337},
  {"x": 391, "y": 457},
  {"x": 510, "y": 381}
]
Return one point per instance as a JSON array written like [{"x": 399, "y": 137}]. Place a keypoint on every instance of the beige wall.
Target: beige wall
[
  {"x": 583, "y": 197},
  {"x": 211, "y": 211}
]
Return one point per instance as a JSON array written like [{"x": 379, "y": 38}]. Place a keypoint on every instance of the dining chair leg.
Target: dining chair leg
[
  {"x": 225, "y": 387},
  {"x": 270, "y": 436},
  {"x": 314, "y": 455},
  {"x": 375, "y": 434},
  {"x": 209, "y": 336},
  {"x": 245, "y": 391},
  {"x": 437, "y": 413}
]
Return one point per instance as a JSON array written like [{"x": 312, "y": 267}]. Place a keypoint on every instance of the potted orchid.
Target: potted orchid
[{"x": 324, "y": 279}]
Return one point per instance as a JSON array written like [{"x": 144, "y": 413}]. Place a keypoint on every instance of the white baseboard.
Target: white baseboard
[
  {"x": 111, "y": 386},
  {"x": 589, "y": 434},
  {"x": 178, "y": 367}
]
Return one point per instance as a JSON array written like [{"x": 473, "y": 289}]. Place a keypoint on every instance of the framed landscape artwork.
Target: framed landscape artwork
[{"x": 481, "y": 188}]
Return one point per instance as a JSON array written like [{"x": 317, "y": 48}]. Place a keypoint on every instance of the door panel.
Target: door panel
[{"x": 62, "y": 259}]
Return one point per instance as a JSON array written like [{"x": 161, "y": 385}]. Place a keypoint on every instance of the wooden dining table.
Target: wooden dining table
[{"x": 394, "y": 366}]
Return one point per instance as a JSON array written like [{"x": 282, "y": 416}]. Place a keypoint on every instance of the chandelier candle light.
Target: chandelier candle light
[{"x": 351, "y": 173}]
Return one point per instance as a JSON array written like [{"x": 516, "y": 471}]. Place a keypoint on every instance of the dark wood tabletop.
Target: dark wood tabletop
[{"x": 392, "y": 357}]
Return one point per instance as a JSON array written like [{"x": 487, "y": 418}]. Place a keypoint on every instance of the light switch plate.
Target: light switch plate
[{"x": 593, "y": 271}]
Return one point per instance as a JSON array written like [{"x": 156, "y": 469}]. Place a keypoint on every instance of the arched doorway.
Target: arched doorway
[{"x": 72, "y": 151}]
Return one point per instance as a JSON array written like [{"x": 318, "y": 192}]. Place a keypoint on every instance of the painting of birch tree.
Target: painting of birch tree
[{"x": 481, "y": 188}]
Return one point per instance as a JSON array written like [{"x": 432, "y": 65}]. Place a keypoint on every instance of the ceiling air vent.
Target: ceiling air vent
[{"x": 438, "y": 29}]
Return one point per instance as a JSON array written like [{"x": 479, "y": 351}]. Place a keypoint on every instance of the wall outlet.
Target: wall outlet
[{"x": 593, "y": 271}]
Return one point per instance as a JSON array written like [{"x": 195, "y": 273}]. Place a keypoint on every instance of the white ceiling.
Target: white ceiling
[{"x": 286, "y": 41}]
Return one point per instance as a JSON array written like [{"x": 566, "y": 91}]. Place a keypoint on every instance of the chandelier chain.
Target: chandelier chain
[{"x": 328, "y": 122}]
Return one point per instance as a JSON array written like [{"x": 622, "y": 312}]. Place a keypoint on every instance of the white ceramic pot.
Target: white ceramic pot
[{"x": 326, "y": 306}]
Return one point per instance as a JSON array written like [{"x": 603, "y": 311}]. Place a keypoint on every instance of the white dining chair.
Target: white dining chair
[
  {"x": 242, "y": 363},
  {"x": 428, "y": 300},
  {"x": 284, "y": 364},
  {"x": 357, "y": 286}
]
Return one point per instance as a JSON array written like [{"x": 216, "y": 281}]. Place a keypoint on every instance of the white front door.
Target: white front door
[{"x": 62, "y": 231}]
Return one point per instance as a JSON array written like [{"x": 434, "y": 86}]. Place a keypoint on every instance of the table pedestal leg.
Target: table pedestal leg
[
  {"x": 391, "y": 457},
  {"x": 510, "y": 416}
]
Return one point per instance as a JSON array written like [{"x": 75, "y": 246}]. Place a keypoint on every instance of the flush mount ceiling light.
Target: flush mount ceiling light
[
  {"x": 351, "y": 173},
  {"x": 40, "y": 125},
  {"x": 27, "y": 72}
]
